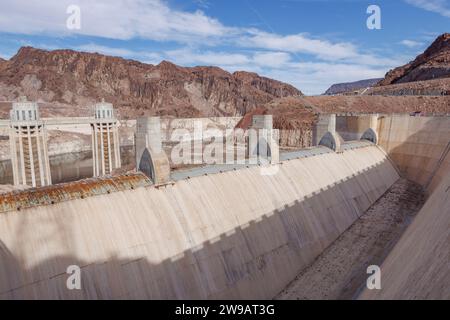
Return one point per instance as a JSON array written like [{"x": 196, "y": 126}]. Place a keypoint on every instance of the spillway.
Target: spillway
[
  {"x": 418, "y": 266},
  {"x": 238, "y": 234}
]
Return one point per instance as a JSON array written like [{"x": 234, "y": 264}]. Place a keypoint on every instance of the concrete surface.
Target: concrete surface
[
  {"x": 197, "y": 238},
  {"x": 340, "y": 272},
  {"x": 240, "y": 234}
]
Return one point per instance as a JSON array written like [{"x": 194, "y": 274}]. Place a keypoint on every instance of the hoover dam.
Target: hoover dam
[{"x": 236, "y": 231}]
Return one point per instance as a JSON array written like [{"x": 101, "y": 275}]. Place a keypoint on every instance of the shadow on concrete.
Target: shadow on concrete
[
  {"x": 420, "y": 156},
  {"x": 254, "y": 261}
]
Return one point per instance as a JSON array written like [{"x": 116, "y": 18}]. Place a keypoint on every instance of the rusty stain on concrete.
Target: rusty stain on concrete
[{"x": 18, "y": 200}]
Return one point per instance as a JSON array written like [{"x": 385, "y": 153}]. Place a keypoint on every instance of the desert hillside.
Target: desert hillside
[
  {"x": 434, "y": 63},
  {"x": 427, "y": 74},
  {"x": 435, "y": 87}
]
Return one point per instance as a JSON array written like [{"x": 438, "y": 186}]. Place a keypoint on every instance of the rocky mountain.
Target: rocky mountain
[
  {"x": 381, "y": 104},
  {"x": 434, "y": 63},
  {"x": 436, "y": 87},
  {"x": 351, "y": 86},
  {"x": 76, "y": 78}
]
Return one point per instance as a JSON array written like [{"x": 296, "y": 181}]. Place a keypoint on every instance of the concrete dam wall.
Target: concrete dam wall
[
  {"x": 232, "y": 235},
  {"x": 417, "y": 267},
  {"x": 417, "y": 145}
]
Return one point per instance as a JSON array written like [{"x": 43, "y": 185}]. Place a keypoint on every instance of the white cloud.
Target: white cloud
[
  {"x": 315, "y": 78},
  {"x": 411, "y": 43},
  {"x": 230, "y": 61},
  {"x": 205, "y": 4},
  {"x": 200, "y": 39},
  {"x": 299, "y": 43},
  {"x": 95, "y": 48},
  {"x": 125, "y": 19},
  {"x": 189, "y": 57},
  {"x": 155, "y": 20},
  {"x": 271, "y": 59},
  {"x": 310, "y": 77},
  {"x": 151, "y": 58},
  {"x": 145, "y": 57},
  {"x": 319, "y": 48},
  {"x": 441, "y": 7}
]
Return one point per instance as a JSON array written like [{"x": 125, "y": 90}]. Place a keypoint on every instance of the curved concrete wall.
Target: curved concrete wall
[
  {"x": 418, "y": 266},
  {"x": 415, "y": 144},
  {"x": 237, "y": 234},
  {"x": 352, "y": 127}
]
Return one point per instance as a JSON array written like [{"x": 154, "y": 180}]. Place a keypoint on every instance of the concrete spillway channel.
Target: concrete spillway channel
[
  {"x": 340, "y": 272},
  {"x": 238, "y": 233}
]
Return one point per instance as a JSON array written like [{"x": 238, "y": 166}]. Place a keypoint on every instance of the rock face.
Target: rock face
[
  {"x": 436, "y": 87},
  {"x": 2, "y": 63},
  {"x": 351, "y": 86},
  {"x": 434, "y": 63},
  {"x": 381, "y": 104},
  {"x": 77, "y": 78}
]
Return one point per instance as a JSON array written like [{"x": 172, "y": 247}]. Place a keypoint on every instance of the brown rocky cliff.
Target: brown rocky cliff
[
  {"x": 432, "y": 64},
  {"x": 2, "y": 63},
  {"x": 78, "y": 78}
]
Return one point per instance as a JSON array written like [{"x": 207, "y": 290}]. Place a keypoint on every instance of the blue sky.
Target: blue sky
[{"x": 309, "y": 44}]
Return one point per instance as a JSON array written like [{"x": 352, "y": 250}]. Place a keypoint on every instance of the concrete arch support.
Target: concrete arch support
[
  {"x": 263, "y": 140},
  {"x": 370, "y": 135},
  {"x": 331, "y": 140}
]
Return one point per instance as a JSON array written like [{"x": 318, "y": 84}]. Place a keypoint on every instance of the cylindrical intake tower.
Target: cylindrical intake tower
[
  {"x": 28, "y": 142},
  {"x": 105, "y": 140}
]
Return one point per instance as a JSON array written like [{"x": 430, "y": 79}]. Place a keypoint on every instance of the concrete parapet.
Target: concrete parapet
[
  {"x": 371, "y": 133},
  {"x": 150, "y": 156},
  {"x": 263, "y": 140},
  {"x": 325, "y": 134}
]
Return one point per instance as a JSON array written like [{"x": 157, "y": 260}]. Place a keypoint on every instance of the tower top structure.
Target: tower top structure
[
  {"x": 104, "y": 110},
  {"x": 23, "y": 110}
]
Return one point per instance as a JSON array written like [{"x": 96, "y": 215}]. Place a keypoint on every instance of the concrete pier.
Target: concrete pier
[
  {"x": 325, "y": 134},
  {"x": 28, "y": 143},
  {"x": 263, "y": 140},
  {"x": 105, "y": 140},
  {"x": 234, "y": 233},
  {"x": 150, "y": 156},
  {"x": 371, "y": 133}
]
